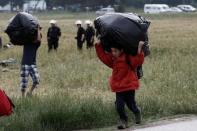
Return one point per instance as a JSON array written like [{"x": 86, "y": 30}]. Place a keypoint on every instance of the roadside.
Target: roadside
[
  {"x": 175, "y": 123},
  {"x": 178, "y": 124}
]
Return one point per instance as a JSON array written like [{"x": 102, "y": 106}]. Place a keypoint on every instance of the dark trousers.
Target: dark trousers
[
  {"x": 127, "y": 98},
  {"x": 52, "y": 45},
  {"x": 79, "y": 45},
  {"x": 89, "y": 43}
]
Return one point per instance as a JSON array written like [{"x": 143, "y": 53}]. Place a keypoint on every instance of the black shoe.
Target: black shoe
[
  {"x": 122, "y": 125},
  {"x": 138, "y": 118}
]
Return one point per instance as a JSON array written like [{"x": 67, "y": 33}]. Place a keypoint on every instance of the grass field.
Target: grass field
[{"x": 74, "y": 92}]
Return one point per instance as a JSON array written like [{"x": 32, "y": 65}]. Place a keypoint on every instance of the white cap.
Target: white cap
[
  {"x": 78, "y": 22},
  {"x": 53, "y": 22},
  {"x": 88, "y": 22}
]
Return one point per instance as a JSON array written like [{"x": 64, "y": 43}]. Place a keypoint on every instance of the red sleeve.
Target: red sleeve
[
  {"x": 137, "y": 60},
  {"x": 106, "y": 58}
]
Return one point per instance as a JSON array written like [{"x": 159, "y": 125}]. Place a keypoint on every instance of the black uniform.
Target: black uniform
[
  {"x": 79, "y": 39},
  {"x": 53, "y": 35},
  {"x": 89, "y": 35}
]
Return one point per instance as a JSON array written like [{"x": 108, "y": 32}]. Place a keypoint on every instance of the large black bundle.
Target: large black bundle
[
  {"x": 125, "y": 30},
  {"x": 22, "y": 29}
]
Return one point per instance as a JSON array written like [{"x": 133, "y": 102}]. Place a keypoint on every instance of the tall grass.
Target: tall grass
[{"x": 74, "y": 91}]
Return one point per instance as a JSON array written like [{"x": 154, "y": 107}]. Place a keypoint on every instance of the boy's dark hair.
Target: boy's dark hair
[{"x": 117, "y": 46}]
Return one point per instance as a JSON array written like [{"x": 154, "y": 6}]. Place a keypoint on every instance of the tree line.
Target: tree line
[{"x": 94, "y": 3}]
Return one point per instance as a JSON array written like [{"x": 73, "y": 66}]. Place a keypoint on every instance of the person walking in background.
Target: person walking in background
[
  {"x": 53, "y": 35},
  {"x": 28, "y": 65},
  {"x": 80, "y": 35},
  {"x": 89, "y": 34},
  {"x": 124, "y": 79}
]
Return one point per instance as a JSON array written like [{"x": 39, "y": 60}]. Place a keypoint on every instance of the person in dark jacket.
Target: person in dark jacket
[
  {"x": 89, "y": 34},
  {"x": 80, "y": 35},
  {"x": 53, "y": 35},
  {"x": 28, "y": 65}
]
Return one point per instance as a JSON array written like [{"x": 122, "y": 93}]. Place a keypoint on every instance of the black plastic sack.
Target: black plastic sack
[
  {"x": 125, "y": 30},
  {"x": 22, "y": 29}
]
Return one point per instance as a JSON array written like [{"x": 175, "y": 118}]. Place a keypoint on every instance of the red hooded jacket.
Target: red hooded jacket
[
  {"x": 6, "y": 106},
  {"x": 124, "y": 77}
]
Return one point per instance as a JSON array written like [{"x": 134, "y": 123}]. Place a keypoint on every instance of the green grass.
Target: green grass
[{"x": 74, "y": 92}]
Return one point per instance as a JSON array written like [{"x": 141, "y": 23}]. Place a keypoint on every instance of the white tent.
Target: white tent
[{"x": 35, "y": 5}]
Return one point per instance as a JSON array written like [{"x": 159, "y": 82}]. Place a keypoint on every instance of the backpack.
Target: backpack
[{"x": 6, "y": 105}]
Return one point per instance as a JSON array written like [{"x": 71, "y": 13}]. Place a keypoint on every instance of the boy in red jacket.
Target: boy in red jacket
[{"x": 124, "y": 80}]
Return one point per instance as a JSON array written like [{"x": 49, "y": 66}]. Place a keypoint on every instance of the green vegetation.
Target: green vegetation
[{"x": 74, "y": 92}]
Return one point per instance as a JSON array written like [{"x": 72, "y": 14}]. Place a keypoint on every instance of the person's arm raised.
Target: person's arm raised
[
  {"x": 106, "y": 58},
  {"x": 39, "y": 36},
  {"x": 137, "y": 60}
]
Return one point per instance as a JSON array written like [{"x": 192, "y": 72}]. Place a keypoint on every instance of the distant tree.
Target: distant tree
[
  {"x": 92, "y": 3},
  {"x": 3, "y": 2},
  {"x": 16, "y": 3},
  {"x": 121, "y": 3},
  {"x": 52, "y": 3}
]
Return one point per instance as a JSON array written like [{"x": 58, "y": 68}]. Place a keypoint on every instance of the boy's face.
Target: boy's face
[{"x": 116, "y": 52}]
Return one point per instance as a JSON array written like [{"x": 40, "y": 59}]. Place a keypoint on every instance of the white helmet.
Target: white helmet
[
  {"x": 53, "y": 22},
  {"x": 78, "y": 22},
  {"x": 88, "y": 22}
]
